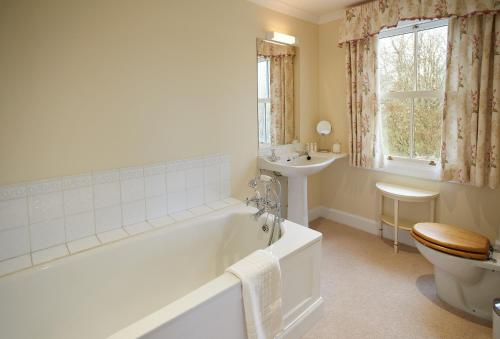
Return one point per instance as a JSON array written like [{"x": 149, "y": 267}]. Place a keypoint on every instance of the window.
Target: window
[
  {"x": 264, "y": 103},
  {"x": 411, "y": 69}
]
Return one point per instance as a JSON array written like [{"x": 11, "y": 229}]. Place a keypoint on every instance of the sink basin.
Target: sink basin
[
  {"x": 297, "y": 169},
  {"x": 300, "y": 166}
]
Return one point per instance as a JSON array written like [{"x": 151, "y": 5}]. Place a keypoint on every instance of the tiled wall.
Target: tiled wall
[{"x": 39, "y": 215}]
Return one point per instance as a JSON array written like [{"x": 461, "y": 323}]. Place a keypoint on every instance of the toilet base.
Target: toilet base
[
  {"x": 464, "y": 283},
  {"x": 475, "y": 298}
]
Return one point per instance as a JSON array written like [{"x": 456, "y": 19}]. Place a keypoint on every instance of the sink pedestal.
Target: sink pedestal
[
  {"x": 297, "y": 169},
  {"x": 298, "y": 211}
]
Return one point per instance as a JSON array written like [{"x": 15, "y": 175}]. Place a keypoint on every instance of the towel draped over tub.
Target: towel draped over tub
[{"x": 261, "y": 288}]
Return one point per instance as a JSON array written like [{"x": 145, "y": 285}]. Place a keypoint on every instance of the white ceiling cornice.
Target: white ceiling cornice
[
  {"x": 336, "y": 15},
  {"x": 281, "y": 7},
  {"x": 284, "y": 8}
]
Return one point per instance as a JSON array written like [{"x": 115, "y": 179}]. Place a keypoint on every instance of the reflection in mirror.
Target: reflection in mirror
[
  {"x": 275, "y": 67},
  {"x": 264, "y": 108}
]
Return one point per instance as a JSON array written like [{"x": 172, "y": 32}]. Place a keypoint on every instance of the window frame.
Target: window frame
[
  {"x": 411, "y": 165},
  {"x": 264, "y": 101}
]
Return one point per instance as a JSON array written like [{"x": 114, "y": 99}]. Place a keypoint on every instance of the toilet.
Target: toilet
[{"x": 466, "y": 269}]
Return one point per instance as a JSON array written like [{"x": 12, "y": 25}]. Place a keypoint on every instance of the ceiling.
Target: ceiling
[{"x": 317, "y": 11}]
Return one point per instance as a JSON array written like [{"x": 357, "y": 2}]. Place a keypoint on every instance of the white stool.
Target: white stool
[{"x": 406, "y": 194}]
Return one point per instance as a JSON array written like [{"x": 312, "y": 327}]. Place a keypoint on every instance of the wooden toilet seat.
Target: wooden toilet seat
[{"x": 452, "y": 240}]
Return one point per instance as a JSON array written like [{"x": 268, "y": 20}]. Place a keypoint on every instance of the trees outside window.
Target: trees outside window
[{"x": 411, "y": 70}]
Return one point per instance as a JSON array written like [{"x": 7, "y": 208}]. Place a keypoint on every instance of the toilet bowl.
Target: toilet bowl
[{"x": 467, "y": 284}]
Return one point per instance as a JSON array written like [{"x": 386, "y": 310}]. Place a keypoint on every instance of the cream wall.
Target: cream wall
[
  {"x": 90, "y": 85},
  {"x": 353, "y": 190}
]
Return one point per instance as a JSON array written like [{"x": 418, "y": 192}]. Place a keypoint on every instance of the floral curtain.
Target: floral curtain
[
  {"x": 471, "y": 125},
  {"x": 361, "y": 64},
  {"x": 470, "y": 151},
  {"x": 281, "y": 89},
  {"x": 369, "y": 18}
]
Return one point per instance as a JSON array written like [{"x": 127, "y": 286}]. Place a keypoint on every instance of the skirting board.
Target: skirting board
[{"x": 359, "y": 222}]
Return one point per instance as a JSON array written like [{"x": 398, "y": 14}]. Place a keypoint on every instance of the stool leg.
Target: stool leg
[
  {"x": 396, "y": 221},
  {"x": 380, "y": 212}
]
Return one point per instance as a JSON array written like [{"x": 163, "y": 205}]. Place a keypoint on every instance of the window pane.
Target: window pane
[
  {"x": 396, "y": 63},
  {"x": 263, "y": 78},
  {"x": 264, "y": 109},
  {"x": 396, "y": 126},
  {"x": 262, "y": 122},
  {"x": 427, "y": 128},
  {"x": 431, "y": 59}
]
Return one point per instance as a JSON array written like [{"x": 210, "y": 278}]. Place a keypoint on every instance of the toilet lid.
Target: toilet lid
[{"x": 452, "y": 239}]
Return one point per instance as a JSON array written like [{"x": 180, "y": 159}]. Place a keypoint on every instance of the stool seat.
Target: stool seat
[
  {"x": 452, "y": 240},
  {"x": 402, "y": 194}
]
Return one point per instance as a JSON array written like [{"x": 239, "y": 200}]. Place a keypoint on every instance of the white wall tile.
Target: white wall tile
[
  {"x": 44, "y": 207},
  {"x": 193, "y": 163},
  {"x": 212, "y": 174},
  {"x": 195, "y": 197},
  {"x": 13, "y": 192},
  {"x": 79, "y": 225},
  {"x": 217, "y": 205},
  {"x": 44, "y": 187},
  {"x": 13, "y": 213},
  {"x": 83, "y": 244},
  {"x": 212, "y": 192},
  {"x": 183, "y": 215},
  {"x": 194, "y": 177},
  {"x": 154, "y": 169},
  {"x": 47, "y": 234},
  {"x": 107, "y": 194},
  {"x": 177, "y": 165},
  {"x": 225, "y": 189},
  {"x": 155, "y": 185},
  {"x": 138, "y": 228},
  {"x": 112, "y": 235},
  {"x": 200, "y": 210},
  {"x": 76, "y": 181},
  {"x": 51, "y": 212},
  {"x": 161, "y": 222},
  {"x": 131, "y": 173},
  {"x": 49, "y": 254},
  {"x": 134, "y": 212},
  {"x": 156, "y": 207},
  {"x": 108, "y": 218},
  {"x": 132, "y": 189},
  {"x": 176, "y": 181},
  {"x": 14, "y": 242},
  {"x": 78, "y": 200},
  {"x": 211, "y": 160},
  {"x": 225, "y": 172},
  {"x": 105, "y": 177},
  {"x": 176, "y": 201}
]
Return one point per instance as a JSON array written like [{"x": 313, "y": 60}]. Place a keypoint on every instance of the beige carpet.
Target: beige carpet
[{"x": 370, "y": 292}]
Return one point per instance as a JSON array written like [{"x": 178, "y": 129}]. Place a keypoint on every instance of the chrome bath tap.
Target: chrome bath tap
[{"x": 269, "y": 203}]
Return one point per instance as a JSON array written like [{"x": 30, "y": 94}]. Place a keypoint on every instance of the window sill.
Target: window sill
[{"x": 412, "y": 168}]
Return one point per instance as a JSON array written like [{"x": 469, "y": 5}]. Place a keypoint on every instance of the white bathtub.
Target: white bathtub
[{"x": 167, "y": 283}]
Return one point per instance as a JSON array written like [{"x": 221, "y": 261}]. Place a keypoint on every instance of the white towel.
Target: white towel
[{"x": 261, "y": 280}]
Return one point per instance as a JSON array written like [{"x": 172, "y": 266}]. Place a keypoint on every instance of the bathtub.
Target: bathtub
[{"x": 166, "y": 283}]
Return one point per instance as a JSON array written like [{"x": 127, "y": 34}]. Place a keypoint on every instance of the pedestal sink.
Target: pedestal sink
[{"x": 297, "y": 169}]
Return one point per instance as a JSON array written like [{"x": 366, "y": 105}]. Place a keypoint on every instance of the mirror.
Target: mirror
[
  {"x": 324, "y": 127},
  {"x": 275, "y": 92}
]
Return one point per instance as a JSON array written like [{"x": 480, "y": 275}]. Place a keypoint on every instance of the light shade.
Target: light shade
[{"x": 281, "y": 38}]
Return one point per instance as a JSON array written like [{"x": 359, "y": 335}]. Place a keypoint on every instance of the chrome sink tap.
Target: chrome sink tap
[
  {"x": 269, "y": 203},
  {"x": 273, "y": 156}
]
